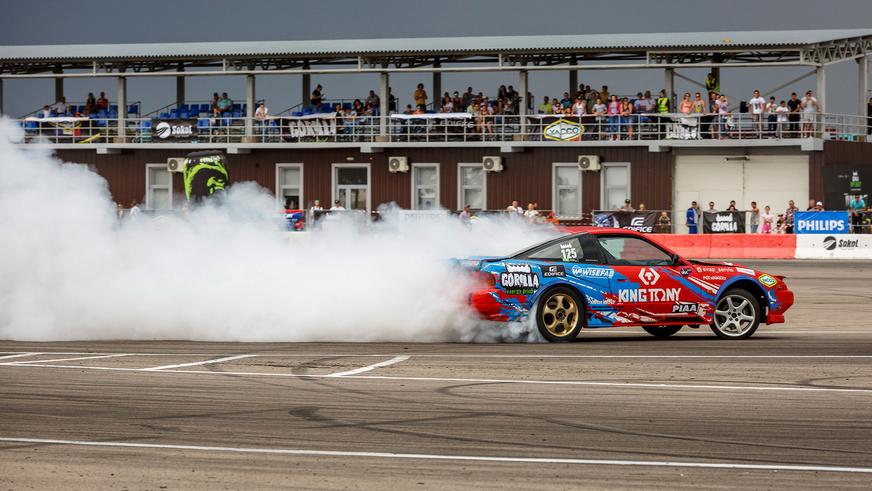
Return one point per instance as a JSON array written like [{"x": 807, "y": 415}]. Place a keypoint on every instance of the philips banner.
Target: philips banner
[
  {"x": 821, "y": 222},
  {"x": 723, "y": 222},
  {"x": 639, "y": 221}
]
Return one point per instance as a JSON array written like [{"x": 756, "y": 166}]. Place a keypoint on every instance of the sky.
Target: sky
[{"x": 27, "y": 22}]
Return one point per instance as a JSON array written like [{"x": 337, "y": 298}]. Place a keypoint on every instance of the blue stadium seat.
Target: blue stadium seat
[
  {"x": 347, "y": 105},
  {"x": 204, "y": 108},
  {"x": 237, "y": 107},
  {"x": 31, "y": 125},
  {"x": 145, "y": 125},
  {"x": 184, "y": 108},
  {"x": 164, "y": 116},
  {"x": 237, "y": 114},
  {"x": 174, "y": 113},
  {"x": 183, "y": 114},
  {"x": 133, "y": 109},
  {"x": 297, "y": 114},
  {"x": 307, "y": 111},
  {"x": 113, "y": 107},
  {"x": 203, "y": 125}
]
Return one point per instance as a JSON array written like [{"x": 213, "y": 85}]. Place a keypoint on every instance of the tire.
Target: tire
[
  {"x": 662, "y": 331},
  {"x": 737, "y": 315},
  {"x": 560, "y": 315}
]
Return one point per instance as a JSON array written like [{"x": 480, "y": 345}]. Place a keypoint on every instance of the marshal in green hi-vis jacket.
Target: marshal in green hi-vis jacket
[{"x": 205, "y": 174}]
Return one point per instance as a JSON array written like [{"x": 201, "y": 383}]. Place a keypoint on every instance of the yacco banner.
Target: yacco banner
[
  {"x": 639, "y": 221},
  {"x": 836, "y": 246},
  {"x": 310, "y": 125},
  {"x": 723, "y": 222},
  {"x": 821, "y": 222},
  {"x": 173, "y": 130},
  {"x": 205, "y": 174},
  {"x": 559, "y": 128}
]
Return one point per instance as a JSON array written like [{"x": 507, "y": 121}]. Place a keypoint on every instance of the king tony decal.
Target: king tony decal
[
  {"x": 649, "y": 278},
  {"x": 519, "y": 279}
]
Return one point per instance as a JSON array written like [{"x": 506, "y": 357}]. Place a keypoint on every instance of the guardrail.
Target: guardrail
[{"x": 453, "y": 127}]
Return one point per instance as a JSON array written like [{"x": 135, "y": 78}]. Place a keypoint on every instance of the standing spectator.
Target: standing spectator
[
  {"x": 408, "y": 109},
  {"x": 789, "y": 217},
  {"x": 755, "y": 218},
  {"x": 711, "y": 207},
  {"x": 698, "y": 105},
  {"x": 515, "y": 207},
  {"x": 468, "y": 96},
  {"x": 714, "y": 126},
  {"x": 337, "y": 206},
  {"x": 726, "y": 122},
  {"x": 794, "y": 105},
  {"x": 465, "y": 215},
  {"x": 818, "y": 206},
  {"x": 420, "y": 96},
  {"x": 768, "y": 220},
  {"x": 447, "y": 104},
  {"x": 614, "y": 111},
  {"x": 664, "y": 224},
  {"x": 392, "y": 101},
  {"x": 566, "y": 102},
  {"x": 556, "y": 108},
  {"x": 856, "y": 207},
  {"x": 102, "y": 102},
  {"x": 627, "y": 118},
  {"x": 90, "y": 104},
  {"x": 46, "y": 111},
  {"x": 317, "y": 97},
  {"x": 732, "y": 206},
  {"x": 579, "y": 108},
  {"x": 663, "y": 107},
  {"x": 213, "y": 104},
  {"x": 711, "y": 84},
  {"x": 531, "y": 212},
  {"x": 604, "y": 93},
  {"x": 642, "y": 207},
  {"x": 60, "y": 107},
  {"x": 316, "y": 206},
  {"x": 457, "y": 102},
  {"x": 627, "y": 206},
  {"x": 686, "y": 105},
  {"x": 262, "y": 113},
  {"x": 545, "y": 107},
  {"x": 134, "y": 209},
  {"x": 783, "y": 114},
  {"x": 691, "y": 217},
  {"x": 599, "y": 109},
  {"x": 758, "y": 106},
  {"x": 373, "y": 99},
  {"x": 810, "y": 108},
  {"x": 639, "y": 104},
  {"x": 811, "y": 205},
  {"x": 772, "y": 117}
]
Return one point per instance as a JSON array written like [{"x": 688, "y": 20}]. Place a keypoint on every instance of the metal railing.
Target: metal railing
[{"x": 453, "y": 127}]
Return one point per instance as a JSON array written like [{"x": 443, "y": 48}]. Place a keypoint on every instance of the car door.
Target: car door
[{"x": 646, "y": 287}]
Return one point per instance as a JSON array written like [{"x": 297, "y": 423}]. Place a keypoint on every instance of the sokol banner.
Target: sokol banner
[
  {"x": 723, "y": 222},
  {"x": 173, "y": 130},
  {"x": 821, "y": 222},
  {"x": 639, "y": 221}
]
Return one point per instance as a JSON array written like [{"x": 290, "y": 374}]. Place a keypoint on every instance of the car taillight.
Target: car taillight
[{"x": 486, "y": 280}]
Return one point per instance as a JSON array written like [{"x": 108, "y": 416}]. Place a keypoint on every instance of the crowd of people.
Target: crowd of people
[
  {"x": 93, "y": 106},
  {"x": 765, "y": 221}
]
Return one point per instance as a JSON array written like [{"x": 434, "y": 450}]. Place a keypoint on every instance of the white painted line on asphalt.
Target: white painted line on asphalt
[
  {"x": 367, "y": 368},
  {"x": 418, "y": 456},
  {"x": 55, "y": 360},
  {"x": 196, "y": 363},
  {"x": 18, "y": 355},
  {"x": 622, "y": 385}
]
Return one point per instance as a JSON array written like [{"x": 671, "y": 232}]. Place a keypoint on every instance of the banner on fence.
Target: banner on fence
[
  {"x": 640, "y": 221},
  {"x": 173, "y": 130},
  {"x": 821, "y": 222},
  {"x": 309, "y": 125},
  {"x": 723, "y": 222},
  {"x": 836, "y": 246}
]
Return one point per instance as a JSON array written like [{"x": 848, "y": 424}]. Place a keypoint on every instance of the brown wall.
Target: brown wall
[
  {"x": 527, "y": 175},
  {"x": 835, "y": 153}
]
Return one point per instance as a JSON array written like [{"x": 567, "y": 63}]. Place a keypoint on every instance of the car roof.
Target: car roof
[{"x": 609, "y": 231}]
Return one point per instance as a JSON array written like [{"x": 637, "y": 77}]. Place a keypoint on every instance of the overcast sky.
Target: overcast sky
[{"x": 123, "y": 21}]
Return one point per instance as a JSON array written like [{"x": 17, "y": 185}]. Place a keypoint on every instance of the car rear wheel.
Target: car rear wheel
[
  {"x": 662, "y": 331},
  {"x": 737, "y": 315},
  {"x": 560, "y": 315}
]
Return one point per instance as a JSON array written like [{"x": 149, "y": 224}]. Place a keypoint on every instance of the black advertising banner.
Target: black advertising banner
[
  {"x": 639, "y": 221},
  {"x": 205, "y": 174},
  {"x": 173, "y": 130},
  {"x": 723, "y": 222},
  {"x": 841, "y": 181}
]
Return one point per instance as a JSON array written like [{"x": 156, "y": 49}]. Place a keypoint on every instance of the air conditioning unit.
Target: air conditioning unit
[
  {"x": 398, "y": 164},
  {"x": 176, "y": 164},
  {"x": 588, "y": 162},
  {"x": 492, "y": 164}
]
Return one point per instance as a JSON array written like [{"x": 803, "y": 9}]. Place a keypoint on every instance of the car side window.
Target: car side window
[
  {"x": 633, "y": 251},
  {"x": 567, "y": 251}
]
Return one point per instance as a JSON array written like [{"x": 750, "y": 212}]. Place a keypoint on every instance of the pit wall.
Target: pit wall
[{"x": 752, "y": 246}]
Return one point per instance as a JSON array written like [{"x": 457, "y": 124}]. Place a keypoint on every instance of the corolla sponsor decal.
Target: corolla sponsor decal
[
  {"x": 592, "y": 272},
  {"x": 570, "y": 255},
  {"x": 649, "y": 295},
  {"x": 649, "y": 276},
  {"x": 767, "y": 280},
  {"x": 519, "y": 279},
  {"x": 553, "y": 271},
  {"x": 685, "y": 307}
]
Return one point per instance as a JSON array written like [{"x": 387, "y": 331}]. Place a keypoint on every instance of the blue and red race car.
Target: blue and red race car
[{"x": 613, "y": 277}]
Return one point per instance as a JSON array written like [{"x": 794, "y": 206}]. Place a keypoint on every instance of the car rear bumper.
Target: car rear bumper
[
  {"x": 785, "y": 301},
  {"x": 486, "y": 305}
]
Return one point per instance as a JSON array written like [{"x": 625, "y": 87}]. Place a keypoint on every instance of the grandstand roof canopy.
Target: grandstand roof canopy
[{"x": 728, "y": 48}]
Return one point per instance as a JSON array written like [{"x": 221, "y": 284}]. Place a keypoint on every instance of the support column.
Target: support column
[
  {"x": 249, "y": 105},
  {"x": 821, "y": 95},
  {"x": 59, "y": 88},
  {"x": 573, "y": 77},
  {"x": 1, "y": 96},
  {"x": 716, "y": 71},
  {"x": 670, "y": 87},
  {"x": 862, "y": 95},
  {"x": 384, "y": 107},
  {"x": 180, "y": 89},
  {"x": 307, "y": 86},
  {"x": 122, "y": 109},
  {"x": 437, "y": 88},
  {"x": 523, "y": 103}
]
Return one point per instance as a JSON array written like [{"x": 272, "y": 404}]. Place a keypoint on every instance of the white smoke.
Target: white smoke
[{"x": 225, "y": 271}]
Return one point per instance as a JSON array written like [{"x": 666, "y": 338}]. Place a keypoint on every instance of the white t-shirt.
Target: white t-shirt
[
  {"x": 579, "y": 108},
  {"x": 782, "y": 112},
  {"x": 335, "y": 208},
  {"x": 809, "y": 104},
  {"x": 757, "y": 104}
]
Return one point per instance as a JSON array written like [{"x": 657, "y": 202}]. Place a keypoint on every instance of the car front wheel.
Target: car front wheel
[
  {"x": 737, "y": 315},
  {"x": 560, "y": 315}
]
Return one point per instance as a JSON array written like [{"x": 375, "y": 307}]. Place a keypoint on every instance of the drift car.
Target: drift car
[{"x": 613, "y": 277}]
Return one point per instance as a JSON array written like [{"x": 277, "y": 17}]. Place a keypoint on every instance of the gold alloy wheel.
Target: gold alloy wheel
[{"x": 560, "y": 314}]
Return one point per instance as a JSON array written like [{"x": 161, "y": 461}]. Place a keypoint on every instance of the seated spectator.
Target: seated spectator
[
  {"x": 102, "y": 102},
  {"x": 60, "y": 107},
  {"x": 225, "y": 105},
  {"x": 421, "y": 109},
  {"x": 545, "y": 107},
  {"x": 566, "y": 102},
  {"x": 556, "y": 107},
  {"x": 408, "y": 109},
  {"x": 447, "y": 104},
  {"x": 90, "y": 104}
]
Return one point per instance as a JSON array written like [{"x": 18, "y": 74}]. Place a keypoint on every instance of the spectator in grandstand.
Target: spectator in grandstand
[
  {"x": 545, "y": 107},
  {"x": 810, "y": 108},
  {"x": 698, "y": 105},
  {"x": 337, "y": 206},
  {"x": 627, "y": 119},
  {"x": 556, "y": 108},
  {"x": 420, "y": 96},
  {"x": 711, "y": 83},
  {"x": 60, "y": 107},
  {"x": 224, "y": 106},
  {"x": 818, "y": 206},
  {"x": 599, "y": 109},
  {"x": 726, "y": 121},
  {"x": 102, "y": 102},
  {"x": 133, "y": 209},
  {"x": 373, "y": 99},
  {"x": 856, "y": 207},
  {"x": 691, "y": 217},
  {"x": 686, "y": 105},
  {"x": 447, "y": 105},
  {"x": 457, "y": 102},
  {"x": 771, "y": 117},
  {"x": 732, "y": 206},
  {"x": 392, "y": 101},
  {"x": 46, "y": 112},
  {"x": 767, "y": 221},
  {"x": 789, "y": 216},
  {"x": 754, "y": 215},
  {"x": 316, "y": 205},
  {"x": 317, "y": 96},
  {"x": 711, "y": 207},
  {"x": 627, "y": 206},
  {"x": 794, "y": 106},
  {"x": 614, "y": 111},
  {"x": 758, "y": 106},
  {"x": 579, "y": 108},
  {"x": 90, "y": 104},
  {"x": 639, "y": 104},
  {"x": 531, "y": 212},
  {"x": 262, "y": 113},
  {"x": 811, "y": 203},
  {"x": 604, "y": 93},
  {"x": 408, "y": 109},
  {"x": 664, "y": 223},
  {"x": 566, "y": 102}
]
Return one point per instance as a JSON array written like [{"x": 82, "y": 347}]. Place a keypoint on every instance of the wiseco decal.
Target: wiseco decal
[{"x": 649, "y": 295}]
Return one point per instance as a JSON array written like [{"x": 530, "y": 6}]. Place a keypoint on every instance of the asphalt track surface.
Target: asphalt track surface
[{"x": 789, "y": 408}]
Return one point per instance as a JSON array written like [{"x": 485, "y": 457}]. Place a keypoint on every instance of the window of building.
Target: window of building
[
  {"x": 158, "y": 187},
  {"x": 351, "y": 186},
  {"x": 615, "y": 185},
  {"x": 472, "y": 185},
  {"x": 425, "y": 186},
  {"x": 567, "y": 190},
  {"x": 289, "y": 186}
]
